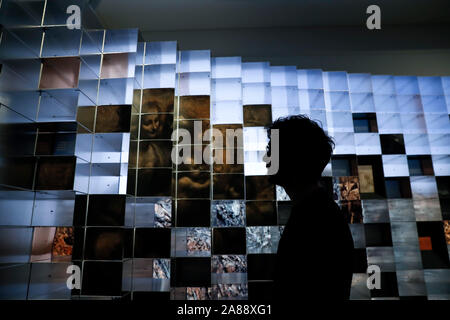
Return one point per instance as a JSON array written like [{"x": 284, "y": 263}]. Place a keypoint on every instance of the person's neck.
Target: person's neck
[{"x": 300, "y": 193}]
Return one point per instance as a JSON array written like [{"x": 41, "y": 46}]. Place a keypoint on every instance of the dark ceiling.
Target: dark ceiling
[
  {"x": 171, "y": 15},
  {"x": 325, "y": 34}
]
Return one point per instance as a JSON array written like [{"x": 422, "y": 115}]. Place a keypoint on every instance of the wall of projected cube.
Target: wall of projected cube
[{"x": 87, "y": 178}]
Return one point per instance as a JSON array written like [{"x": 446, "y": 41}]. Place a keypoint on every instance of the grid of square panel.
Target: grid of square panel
[
  {"x": 149, "y": 203},
  {"x": 65, "y": 115},
  {"x": 97, "y": 185}
]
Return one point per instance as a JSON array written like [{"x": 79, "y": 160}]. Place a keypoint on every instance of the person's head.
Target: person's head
[
  {"x": 151, "y": 127},
  {"x": 304, "y": 151},
  {"x": 151, "y": 123}
]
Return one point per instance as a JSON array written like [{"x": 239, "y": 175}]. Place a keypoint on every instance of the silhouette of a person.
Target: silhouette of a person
[{"x": 315, "y": 252}]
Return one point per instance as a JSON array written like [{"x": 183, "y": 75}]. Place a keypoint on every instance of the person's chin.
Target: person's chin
[{"x": 274, "y": 179}]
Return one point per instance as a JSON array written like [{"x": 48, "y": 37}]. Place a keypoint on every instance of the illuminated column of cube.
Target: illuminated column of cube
[
  {"x": 149, "y": 200},
  {"x": 193, "y": 177},
  {"x": 257, "y": 101}
]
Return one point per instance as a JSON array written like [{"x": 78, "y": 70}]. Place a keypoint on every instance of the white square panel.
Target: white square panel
[
  {"x": 344, "y": 143},
  {"x": 430, "y": 85},
  {"x": 116, "y": 91},
  {"x": 283, "y": 76},
  {"x": 159, "y": 76},
  {"x": 196, "y": 83},
  {"x": 385, "y": 103},
  {"x": 406, "y": 85},
  {"x": 340, "y": 121},
  {"x": 319, "y": 116},
  {"x": 310, "y": 79},
  {"x": 226, "y": 89},
  {"x": 441, "y": 165},
  {"x": 255, "y": 138},
  {"x": 416, "y": 144},
  {"x": 224, "y": 112},
  {"x": 195, "y": 61},
  {"x": 284, "y": 96},
  {"x": 413, "y": 123},
  {"x": 389, "y": 123},
  {"x": 447, "y": 101},
  {"x": 335, "y": 81},
  {"x": 367, "y": 143},
  {"x": 439, "y": 143},
  {"x": 256, "y": 93},
  {"x": 278, "y": 112},
  {"x": 337, "y": 101},
  {"x": 253, "y": 72},
  {"x": 383, "y": 84},
  {"x": 446, "y": 85},
  {"x": 362, "y": 102},
  {"x": 409, "y": 104},
  {"x": 434, "y": 104},
  {"x": 311, "y": 99},
  {"x": 227, "y": 67},
  {"x": 395, "y": 166},
  {"x": 359, "y": 82},
  {"x": 163, "y": 52},
  {"x": 437, "y": 122}
]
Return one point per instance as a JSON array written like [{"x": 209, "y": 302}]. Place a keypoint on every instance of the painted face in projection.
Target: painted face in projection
[{"x": 151, "y": 126}]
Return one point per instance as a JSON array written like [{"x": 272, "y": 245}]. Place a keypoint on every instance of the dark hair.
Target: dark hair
[{"x": 304, "y": 147}]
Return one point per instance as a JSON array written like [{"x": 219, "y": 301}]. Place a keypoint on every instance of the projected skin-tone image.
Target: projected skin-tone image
[
  {"x": 228, "y": 186},
  {"x": 115, "y": 66},
  {"x": 196, "y": 129},
  {"x": 63, "y": 244},
  {"x": 156, "y": 126},
  {"x": 43, "y": 239},
  {"x": 257, "y": 115},
  {"x": 194, "y": 107},
  {"x": 155, "y": 154},
  {"x": 55, "y": 143},
  {"x": 259, "y": 188},
  {"x": 352, "y": 210},
  {"x": 366, "y": 179},
  {"x": 104, "y": 244},
  {"x": 157, "y": 100},
  {"x": 232, "y": 160},
  {"x": 55, "y": 173},
  {"x": 194, "y": 185},
  {"x": 348, "y": 188},
  {"x": 187, "y": 155},
  {"x": 60, "y": 73},
  {"x": 134, "y": 127},
  {"x": 235, "y": 131},
  {"x": 113, "y": 118},
  {"x": 132, "y": 155}
]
